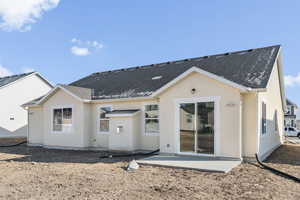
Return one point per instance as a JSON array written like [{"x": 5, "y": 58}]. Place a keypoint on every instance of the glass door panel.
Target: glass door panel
[
  {"x": 187, "y": 127},
  {"x": 205, "y": 128}
]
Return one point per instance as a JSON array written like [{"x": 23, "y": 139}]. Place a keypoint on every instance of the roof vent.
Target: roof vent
[
  {"x": 156, "y": 77},
  {"x": 242, "y": 52},
  {"x": 198, "y": 59},
  {"x": 162, "y": 64}
]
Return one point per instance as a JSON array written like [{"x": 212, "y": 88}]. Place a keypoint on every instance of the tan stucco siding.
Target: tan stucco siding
[
  {"x": 87, "y": 125},
  {"x": 228, "y": 138},
  {"x": 13, "y": 118},
  {"x": 250, "y": 124},
  {"x": 145, "y": 142},
  {"x": 75, "y": 138},
  {"x": 35, "y": 126},
  {"x": 272, "y": 98}
]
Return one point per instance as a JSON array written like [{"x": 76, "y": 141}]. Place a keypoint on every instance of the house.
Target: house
[
  {"x": 290, "y": 115},
  {"x": 226, "y": 105},
  {"x": 15, "y": 91}
]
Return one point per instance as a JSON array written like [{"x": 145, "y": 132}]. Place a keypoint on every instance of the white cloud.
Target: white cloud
[
  {"x": 4, "y": 71},
  {"x": 83, "y": 48},
  {"x": 20, "y": 14},
  {"x": 291, "y": 81},
  {"x": 79, "y": 51},
  {"x": 27, "y": 69},
  {"x": 88, "y": 43}
]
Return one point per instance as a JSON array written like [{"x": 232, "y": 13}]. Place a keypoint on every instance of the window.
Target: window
[
  {"x": 62, "y": 119},
  {"x": 263, "y": 118},
  {"x": 103, "y": 120},
  {"x": 151, "y": 119},
  {"x": 276, "y": 121}
]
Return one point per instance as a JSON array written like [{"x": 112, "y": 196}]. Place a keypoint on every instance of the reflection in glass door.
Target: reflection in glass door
[{"x": 197, "y": 130}]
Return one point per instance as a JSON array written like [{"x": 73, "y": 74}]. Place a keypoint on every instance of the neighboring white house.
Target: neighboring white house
[
  {"x": 225, "y": 105},
  {"x": 14, "y": 92},
  {"x": 290, "y": 118}
]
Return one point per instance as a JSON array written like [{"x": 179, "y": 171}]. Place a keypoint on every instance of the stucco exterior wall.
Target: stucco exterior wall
[
  {"x": 250, "y": 124},
  {"x": 35, "y": 126},
  {"x": 145, "y": 142},
  {"x": 75, "y": 138},
  {"x": 228, "y": 138},
  {"x": 272, "y": 98},
  {"x": 13, "y": 118}
]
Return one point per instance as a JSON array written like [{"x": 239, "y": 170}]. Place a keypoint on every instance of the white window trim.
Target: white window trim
[
  {"x": 52, "y": 118},
  {"x": 144, "y": 119},
  {"x": 276, "y": 124},
  {"x": 261, "y": 131},
  {"x": 217, "y": 120},
  {"x": 98, "y": 120}
]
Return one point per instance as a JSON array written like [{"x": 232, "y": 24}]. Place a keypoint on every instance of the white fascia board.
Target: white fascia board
[
  {"x": 44, "y": 79},
  {"x": 200, "y": 71},
  {"x": 122, "y": 115},
  {"x": 279, "y": 62}
]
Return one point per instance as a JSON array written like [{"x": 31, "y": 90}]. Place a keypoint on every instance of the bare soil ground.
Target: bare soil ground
[{"x": 37, "y": 173}]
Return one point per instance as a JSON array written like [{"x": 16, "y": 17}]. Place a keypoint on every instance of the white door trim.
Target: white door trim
[{"x": 216, "y": 100}]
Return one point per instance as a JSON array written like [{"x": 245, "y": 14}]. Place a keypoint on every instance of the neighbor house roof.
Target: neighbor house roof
[
  {"x": 250, "y": 69},
  {"x": 7, "y": 80},
  {"x": 290, "y": 103}
]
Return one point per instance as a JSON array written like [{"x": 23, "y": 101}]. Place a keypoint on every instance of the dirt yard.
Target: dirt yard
[{"x": 36, "y": 173}]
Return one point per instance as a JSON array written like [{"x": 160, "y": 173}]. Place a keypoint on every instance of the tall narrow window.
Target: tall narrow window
[
  {"x": 103, "y": 120},
  {"x": 151, "y": 119},
  {"x": 62, "y": 119},
  {"x": 276, "y": 121},
  {"x": 263, "y": 118}
]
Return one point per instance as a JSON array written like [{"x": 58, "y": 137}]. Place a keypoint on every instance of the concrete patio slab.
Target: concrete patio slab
[{"x": 191, "y": 162}]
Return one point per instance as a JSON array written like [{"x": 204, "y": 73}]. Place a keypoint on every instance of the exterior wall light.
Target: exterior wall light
[{"x": 193, "y": 91}]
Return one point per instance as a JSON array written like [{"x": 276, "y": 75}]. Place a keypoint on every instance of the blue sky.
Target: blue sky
[{"x": 66, "y": 40}]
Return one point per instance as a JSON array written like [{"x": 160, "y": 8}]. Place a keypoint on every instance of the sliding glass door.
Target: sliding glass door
[{"x": 197, "y": 127}]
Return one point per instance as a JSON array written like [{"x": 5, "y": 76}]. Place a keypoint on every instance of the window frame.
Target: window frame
[
  {"x": 263, "y": 120},
  {"x": 52, "y": 119},
  {"x": 99, "y": 119},
  {"x": 276, "y": 121},
  {"x": 144, "y": 119}
]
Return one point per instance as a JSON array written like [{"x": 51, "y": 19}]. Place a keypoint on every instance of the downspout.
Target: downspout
[
  {"x": 27, "y": 124},
  {"x": 241, "y": 127},
  {"x": 258, "y": 124}
]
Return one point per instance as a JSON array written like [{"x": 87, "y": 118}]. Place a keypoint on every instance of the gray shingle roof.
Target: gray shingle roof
[
  {"x": 9, "y": 79},
  {"x": 83, "y": 93},
  {"x": 249, "y": 68},
  {"x": 290, "y": 103}
]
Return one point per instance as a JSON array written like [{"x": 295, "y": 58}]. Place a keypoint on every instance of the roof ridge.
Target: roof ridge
[{"x": 181, "y": 60}]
